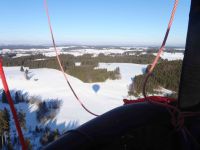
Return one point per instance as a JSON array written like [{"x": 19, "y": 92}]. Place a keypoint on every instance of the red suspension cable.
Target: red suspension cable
[
  {"x": 161, "y": 48},
  {"x": 59, "y": 62},
  {"x": 177, "y": 116},
  {"x": 12, "y": 107},
  {"x": 174, "y": 111},
  {"x": 165, "y": 38}
]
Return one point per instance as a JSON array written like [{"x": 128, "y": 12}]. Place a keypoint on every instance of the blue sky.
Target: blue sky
[{"x": 95, "y": 22}]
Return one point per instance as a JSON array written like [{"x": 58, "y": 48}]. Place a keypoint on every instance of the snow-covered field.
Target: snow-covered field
[
  {"x": 49, "y": 52},
  {"x": 52, "y": 85},
  {"x": 49, "y": 84},
  {"x": 171, "y": 56}
]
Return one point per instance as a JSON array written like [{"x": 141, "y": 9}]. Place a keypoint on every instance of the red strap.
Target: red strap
[
  {"x": 152, "y": 66},
  {"x": 12, "y": 107},
  {"x": 173, "y": 110},
  {"x": 59, "y": 62},
  {"x": 165, "y": 38}
]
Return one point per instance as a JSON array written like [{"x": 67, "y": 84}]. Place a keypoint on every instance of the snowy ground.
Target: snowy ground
[
  {"x": 51, "y": 85},
  {"x": 171, "y": 56},
  {"x": 49, "y": 52}
]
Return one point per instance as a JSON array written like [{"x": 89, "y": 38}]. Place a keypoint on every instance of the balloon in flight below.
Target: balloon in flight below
[{"x": 96, "y": 88}]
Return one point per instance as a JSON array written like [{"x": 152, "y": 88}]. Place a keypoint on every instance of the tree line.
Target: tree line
[
  {"x": 166, "y": 74},
  {"x": 85, "y": 72},
  {"x": 41, "y": 61}
]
